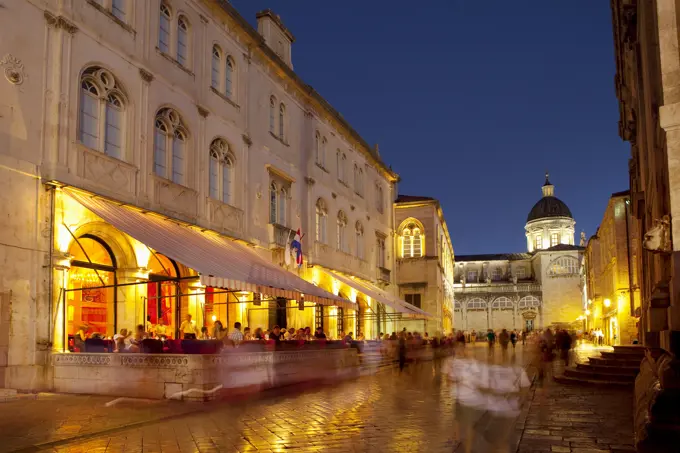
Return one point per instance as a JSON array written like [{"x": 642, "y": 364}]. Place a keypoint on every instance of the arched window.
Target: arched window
[
  {"x": 563, "y": 266},
  {"x": 216, "y": 67},
  {"x": 229, "y": 78},
  {"x": 272, "y": 114},
  {"x": 221, "y": 171},
  {"x": 528, "y": 301},
  {"x": 183, "y": 41},
  {"x": 342, "y": 232},
  {"x": 170, "y": 142},
  {"x": 379, "y": 203},
  {"x": 93, "y": 266},
  {"x": 321, "y": 220},
  {"x": 476, "y": 304},
  {"x": 164, "y": 28},
  {"x": 338, "y": 157},
  {"x": 502, "y": 303},
  {"x": 102, "y": 112},
  {"x": 282, "y": 121},
  {"x": 359, "y": 231},
  {"x": 411, "y": 242},
  {"x": 317, "y": 147}
]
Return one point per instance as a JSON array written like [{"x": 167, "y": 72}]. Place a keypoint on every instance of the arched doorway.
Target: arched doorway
[
  {"x": 161, "y": 291},
  {"x": 91, "y": 295}
]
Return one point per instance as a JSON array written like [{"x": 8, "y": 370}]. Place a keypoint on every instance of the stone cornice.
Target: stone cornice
[{"x": 60, "y": 22}]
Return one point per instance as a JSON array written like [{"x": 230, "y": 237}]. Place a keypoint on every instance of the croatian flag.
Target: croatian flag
[{"x": 296, "y": 247}]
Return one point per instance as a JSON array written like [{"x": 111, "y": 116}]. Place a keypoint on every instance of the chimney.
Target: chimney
[{"x": 275, "y": 34}]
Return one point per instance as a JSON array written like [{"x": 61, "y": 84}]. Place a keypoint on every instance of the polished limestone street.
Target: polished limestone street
[{"x": 387, "y": 411}]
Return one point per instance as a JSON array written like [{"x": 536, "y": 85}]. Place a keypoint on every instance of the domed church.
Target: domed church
[{"x": 528, "y": 290}]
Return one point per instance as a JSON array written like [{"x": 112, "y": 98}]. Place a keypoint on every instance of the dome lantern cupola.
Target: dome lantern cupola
[{"x": 549, "y": 222}]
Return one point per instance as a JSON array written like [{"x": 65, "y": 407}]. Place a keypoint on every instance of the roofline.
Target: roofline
[
  {"x": 623, "y": 193},
  {"x": 553, "y": 217},
  {"x": 277, "y": 20},
  {"x": 307, "y": 89},
  {"x": 440, "y": 214}
]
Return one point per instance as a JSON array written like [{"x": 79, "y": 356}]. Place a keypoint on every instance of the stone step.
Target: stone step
[
  {"x": 625, "y": 370},
  {"x": 614, "y": 362},
  {"x": 622, "y": 355},
  {"x": 597, "y": 376},
  {"x": 592, "y": 382}
]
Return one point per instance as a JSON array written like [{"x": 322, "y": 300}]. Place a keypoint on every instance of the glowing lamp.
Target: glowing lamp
[
  {"x": 607, "y": 302},
  {"x": 587, "y": 312},
  {"x": 214, "y": 318},
  {"x": 590, "y": 301}
]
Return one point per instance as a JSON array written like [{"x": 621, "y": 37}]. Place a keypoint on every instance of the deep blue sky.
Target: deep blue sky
[{"x": 472, "y": 101}]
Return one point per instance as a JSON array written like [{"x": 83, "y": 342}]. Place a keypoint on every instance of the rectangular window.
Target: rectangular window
[
  {"x": 520, "y": 273},
  {"x": 164, "y": 34},
  {"x": 118, "y": 9},
  {"x": 554, "y": 239},
  {"x": 472, "y": 277},
  {"x": 182, "y": 46},
  {"x": 112, "y": 134},
  {"x": 282, "y": 207},
  {"x": 413, "y": 299},
  {"x": 497, "y": 274},
  {"x": 178, "y": 161},
  {"x": 380, "y": 252},
  {"x": 214, "y": 175},
  {"x": 159, "y": 155},
  {"x": 538, "y": 242},
  {"x": 272, "y": 205},
  {"x": 89, "y": 121}
]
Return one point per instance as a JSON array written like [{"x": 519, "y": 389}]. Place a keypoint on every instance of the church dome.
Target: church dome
[{"x": 549, "y": 205}]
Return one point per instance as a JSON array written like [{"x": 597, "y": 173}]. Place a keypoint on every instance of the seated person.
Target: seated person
[
  {"x": 122, "y": 340},
  {"x": 160, "y": 330}
]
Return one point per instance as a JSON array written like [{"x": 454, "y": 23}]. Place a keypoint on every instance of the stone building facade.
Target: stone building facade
[
  {"x": 181, "y": 111},
  {"x": 648, "y": 89},
  {"x": 425, "y": 259},
  {"x": 524, "y": 291},
  {"x": 613, "y": 297}
]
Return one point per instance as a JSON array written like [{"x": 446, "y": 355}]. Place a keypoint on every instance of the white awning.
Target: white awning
[
  {"x": 221, "y": 262},
  {"x": 381, "y": 296}
]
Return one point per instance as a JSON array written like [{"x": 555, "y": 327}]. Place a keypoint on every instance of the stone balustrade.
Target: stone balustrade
[{"x": 158, "y": 376}]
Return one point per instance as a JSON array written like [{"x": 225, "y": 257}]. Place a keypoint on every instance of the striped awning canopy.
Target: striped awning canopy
[
  {"x": 381, "y": 296},
  {"x": 221, "y": 262}
]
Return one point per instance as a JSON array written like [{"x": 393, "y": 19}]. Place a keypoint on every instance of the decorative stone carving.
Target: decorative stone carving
[
  {"x": 82, "y": 359},
  {"x": 153, "y": 361},
  {"x": 175, "y": 198},
  {"x": 582, "y": 242},
  {"x": 247, "y": 140},
  {"x": 105, "y": 171},
  {"x": 60, "y": 22},
  {"x": 202, "y": 111},
  {"x": 145, "y": 75},
  {"x": 658, "y": 239},
  {"x": 514, "y": 279},
  {"x": 310, "y": 181},
  {"x": 224, "y": 217},
  {"x": 14, "y": 69}
]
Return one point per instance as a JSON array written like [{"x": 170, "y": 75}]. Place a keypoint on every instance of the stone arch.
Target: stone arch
[
  {"x": 528, "y": 302},
  {"x": 117, "y": 241},
  {"x": 564, "y": 266},
  {"x": 502, "y": 303}
]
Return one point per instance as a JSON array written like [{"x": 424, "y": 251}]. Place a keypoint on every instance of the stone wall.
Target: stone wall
[{"x": 158, "y": 376}]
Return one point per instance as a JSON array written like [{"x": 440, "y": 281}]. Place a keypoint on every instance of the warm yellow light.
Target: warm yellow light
[
  {"x": 607, "y": 302},
  {"x": 63, "y": 237},
  {"x": 214, "y": 318},
  {"x": 590, "y": 302},
  {"x": 587, "y": 312},
  {"x": 142, "y": 252},
  {"x": 353, "y": 295},
  {"x": 336, "y": 287}
]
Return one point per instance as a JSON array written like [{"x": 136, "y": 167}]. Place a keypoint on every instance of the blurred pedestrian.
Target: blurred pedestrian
[{"x": 513, "y": 338}]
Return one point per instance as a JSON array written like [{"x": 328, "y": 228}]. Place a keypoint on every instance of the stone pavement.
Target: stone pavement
[{"x": 387, "y": 412}]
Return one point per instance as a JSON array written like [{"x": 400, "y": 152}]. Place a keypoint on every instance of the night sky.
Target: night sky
[{"x": 472, "y": 101}]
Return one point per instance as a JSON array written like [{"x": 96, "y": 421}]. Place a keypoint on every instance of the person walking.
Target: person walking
[
  {"x": 491, "y": 340},
  {"x": 513, "y": 338},
  {"x": 504, "y": 340},
  {"x": 402, "y": 351},
  {"x": 473, "y": 337}
]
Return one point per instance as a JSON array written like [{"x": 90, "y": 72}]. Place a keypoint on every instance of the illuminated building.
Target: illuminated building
[
  {"x": 530, "y": 290},
  {"x": 425, "y": 260},
  {"x": 611, "y": 273},
  {"x": 146, "y": 144}
]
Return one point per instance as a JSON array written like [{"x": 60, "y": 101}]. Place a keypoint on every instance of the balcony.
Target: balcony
[
  {"x": 279, "y": 236},
  {"x": 383, "y": 275},
  {"x": 471, "y": 288}
]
